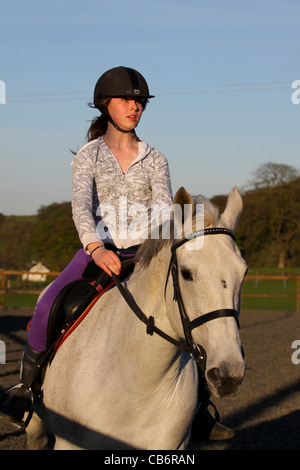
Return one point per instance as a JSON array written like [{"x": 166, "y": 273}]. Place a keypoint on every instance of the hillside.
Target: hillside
[
  {"x": 49, "y": 237},
  {"x": 268, "y": 233}
]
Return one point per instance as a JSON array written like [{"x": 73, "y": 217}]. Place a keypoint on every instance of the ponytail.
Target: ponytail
[{"x": 97, "y": 128}]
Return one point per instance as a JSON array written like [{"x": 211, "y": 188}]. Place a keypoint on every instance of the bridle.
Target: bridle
[{"x": 195, "y": 350}]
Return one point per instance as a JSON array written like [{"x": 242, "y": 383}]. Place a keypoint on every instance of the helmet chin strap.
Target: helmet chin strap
[{"x": 117, "y": 127}]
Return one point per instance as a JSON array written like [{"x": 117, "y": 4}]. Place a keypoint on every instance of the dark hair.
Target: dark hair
[
  {"x": 97, "y": 128},
  {"x": 99, "y": 123}
]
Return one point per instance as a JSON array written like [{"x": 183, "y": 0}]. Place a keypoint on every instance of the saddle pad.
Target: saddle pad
[
  {"x": 63, "y": 334},
  {"x": 73, "y": 325}
]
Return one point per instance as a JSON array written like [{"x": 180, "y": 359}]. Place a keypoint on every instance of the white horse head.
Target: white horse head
[{"x": 210, "y": 278}]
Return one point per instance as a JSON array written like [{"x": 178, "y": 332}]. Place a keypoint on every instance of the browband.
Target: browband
[{"x": 205, "y": 231}]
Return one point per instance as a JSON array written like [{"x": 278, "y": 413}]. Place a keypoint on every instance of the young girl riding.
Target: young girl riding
[{"x": 113, "y": 167}]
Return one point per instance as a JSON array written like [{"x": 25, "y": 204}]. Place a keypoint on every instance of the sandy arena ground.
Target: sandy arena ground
[{"x": 266, "y": 413}]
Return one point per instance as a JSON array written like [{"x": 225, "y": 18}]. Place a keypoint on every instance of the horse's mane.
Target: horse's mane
[{"x": 151, "y": 247}]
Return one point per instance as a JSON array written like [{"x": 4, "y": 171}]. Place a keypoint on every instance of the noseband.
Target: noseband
[{"x": 195, "y": 350}]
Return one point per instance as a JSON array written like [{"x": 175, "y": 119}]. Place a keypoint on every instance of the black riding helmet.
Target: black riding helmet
[{"x": 120, "y": 82}]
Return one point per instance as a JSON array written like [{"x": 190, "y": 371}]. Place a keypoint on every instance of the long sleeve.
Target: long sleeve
[
  {"x": 161, "y": 181},
  {"x": 84, "y": 200},
  {"x": 162, "y": 199}
]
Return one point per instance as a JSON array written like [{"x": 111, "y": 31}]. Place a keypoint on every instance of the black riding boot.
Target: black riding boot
[
  {"x": 18, "y": 399},
  {"x": 205, "y": 426}
]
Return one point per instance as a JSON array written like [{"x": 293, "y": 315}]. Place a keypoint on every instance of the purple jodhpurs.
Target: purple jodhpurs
[{"x": 37, "y": 335}]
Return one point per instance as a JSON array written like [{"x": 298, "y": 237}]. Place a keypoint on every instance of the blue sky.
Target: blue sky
[{"x": 221, "y": 71}]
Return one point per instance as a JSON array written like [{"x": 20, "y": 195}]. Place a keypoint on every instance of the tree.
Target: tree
[
  {"x": 271, "y": 175},
  {"x": 273, "y": 218},
  {"x": 55, "y": 239},
  {"x": 49, "y": 237},
  {"x": 15, "y": 236}
]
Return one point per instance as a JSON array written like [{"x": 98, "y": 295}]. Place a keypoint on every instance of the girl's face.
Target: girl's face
[{"x": 125, "y": 112}]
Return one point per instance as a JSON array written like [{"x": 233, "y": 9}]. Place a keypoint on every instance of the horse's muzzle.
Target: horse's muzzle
[{"x": 223, "y": 384}]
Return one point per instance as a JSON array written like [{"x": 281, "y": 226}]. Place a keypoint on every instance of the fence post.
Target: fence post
[{"x": 2, "y": 287}]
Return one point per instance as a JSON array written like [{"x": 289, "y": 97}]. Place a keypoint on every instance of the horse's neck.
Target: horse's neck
[{"x": 148, "y": 288}]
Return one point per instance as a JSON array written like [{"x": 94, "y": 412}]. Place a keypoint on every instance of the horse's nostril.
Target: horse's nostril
[
  {"x": 213, "y": 376},
  {"x": 224, "y": 384}
]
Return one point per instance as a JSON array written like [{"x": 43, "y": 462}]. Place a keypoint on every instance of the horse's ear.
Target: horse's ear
[
  {"x": 183, "y": 206},
  {"x": 233, "y": 210}
]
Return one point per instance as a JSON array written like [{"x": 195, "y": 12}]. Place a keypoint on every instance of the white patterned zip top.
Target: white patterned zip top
[{"x": 102, "y": 193}]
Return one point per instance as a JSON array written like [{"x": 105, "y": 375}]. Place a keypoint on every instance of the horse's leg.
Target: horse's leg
[{"x": 37, "y": 438}]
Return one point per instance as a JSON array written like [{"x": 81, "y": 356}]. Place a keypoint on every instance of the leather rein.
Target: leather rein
[{"x": 195, "y": 350}]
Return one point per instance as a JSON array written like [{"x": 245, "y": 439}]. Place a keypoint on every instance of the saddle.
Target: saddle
[
  {"x": 74, "y": 302},
  {"x": 76, "y": 299}
]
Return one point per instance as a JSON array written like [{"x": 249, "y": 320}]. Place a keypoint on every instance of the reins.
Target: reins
[
  {"x": 195, "y": 350},
  {"x": 149, "y": 321}
]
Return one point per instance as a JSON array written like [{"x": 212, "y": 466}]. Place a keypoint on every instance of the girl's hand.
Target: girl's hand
[{"x": 105, "y": 259}]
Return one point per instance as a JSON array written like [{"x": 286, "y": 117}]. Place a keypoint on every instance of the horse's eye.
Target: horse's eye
[{"x": 186, "y": 274}]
